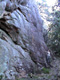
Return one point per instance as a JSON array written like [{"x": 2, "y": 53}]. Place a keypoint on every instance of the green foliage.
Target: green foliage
[
  {"x": 45, "y": 70},
  {"x": 54, "y": 35},
  {"x": 49, "y": 76},
  {"x": 1, "y": 76}
]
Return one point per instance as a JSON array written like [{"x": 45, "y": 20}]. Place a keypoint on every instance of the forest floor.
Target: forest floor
[{"x": 48, "y": 74}]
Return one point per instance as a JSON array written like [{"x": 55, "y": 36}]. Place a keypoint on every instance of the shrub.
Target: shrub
[{"x": 45, "y": 70}]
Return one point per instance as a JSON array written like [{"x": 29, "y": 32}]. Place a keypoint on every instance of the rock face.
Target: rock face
[{"x": 22, "y": 44}]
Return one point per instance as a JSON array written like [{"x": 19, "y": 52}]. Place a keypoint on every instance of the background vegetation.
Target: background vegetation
[{"x": 54, "y": 33}]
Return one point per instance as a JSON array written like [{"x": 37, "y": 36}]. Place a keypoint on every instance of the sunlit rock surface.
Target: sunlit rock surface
[{"x": 22, "y": 45}]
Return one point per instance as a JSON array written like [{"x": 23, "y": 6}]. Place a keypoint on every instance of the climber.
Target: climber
[{"x": 48, "y": 58}]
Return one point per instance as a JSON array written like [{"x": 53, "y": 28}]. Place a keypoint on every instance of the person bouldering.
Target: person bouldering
[{"x": 48, "y": 58}]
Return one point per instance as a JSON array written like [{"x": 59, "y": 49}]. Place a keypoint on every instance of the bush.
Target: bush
[
  {"x": 45, "y": 70},
  {"x": 54, "y": 35}
]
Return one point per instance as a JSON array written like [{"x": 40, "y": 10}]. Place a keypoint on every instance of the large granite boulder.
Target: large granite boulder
[{"x": 22, "y": 45}]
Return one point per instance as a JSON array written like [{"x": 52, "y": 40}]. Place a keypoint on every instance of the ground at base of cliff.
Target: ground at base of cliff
[{"x": 47, "y": 74}]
